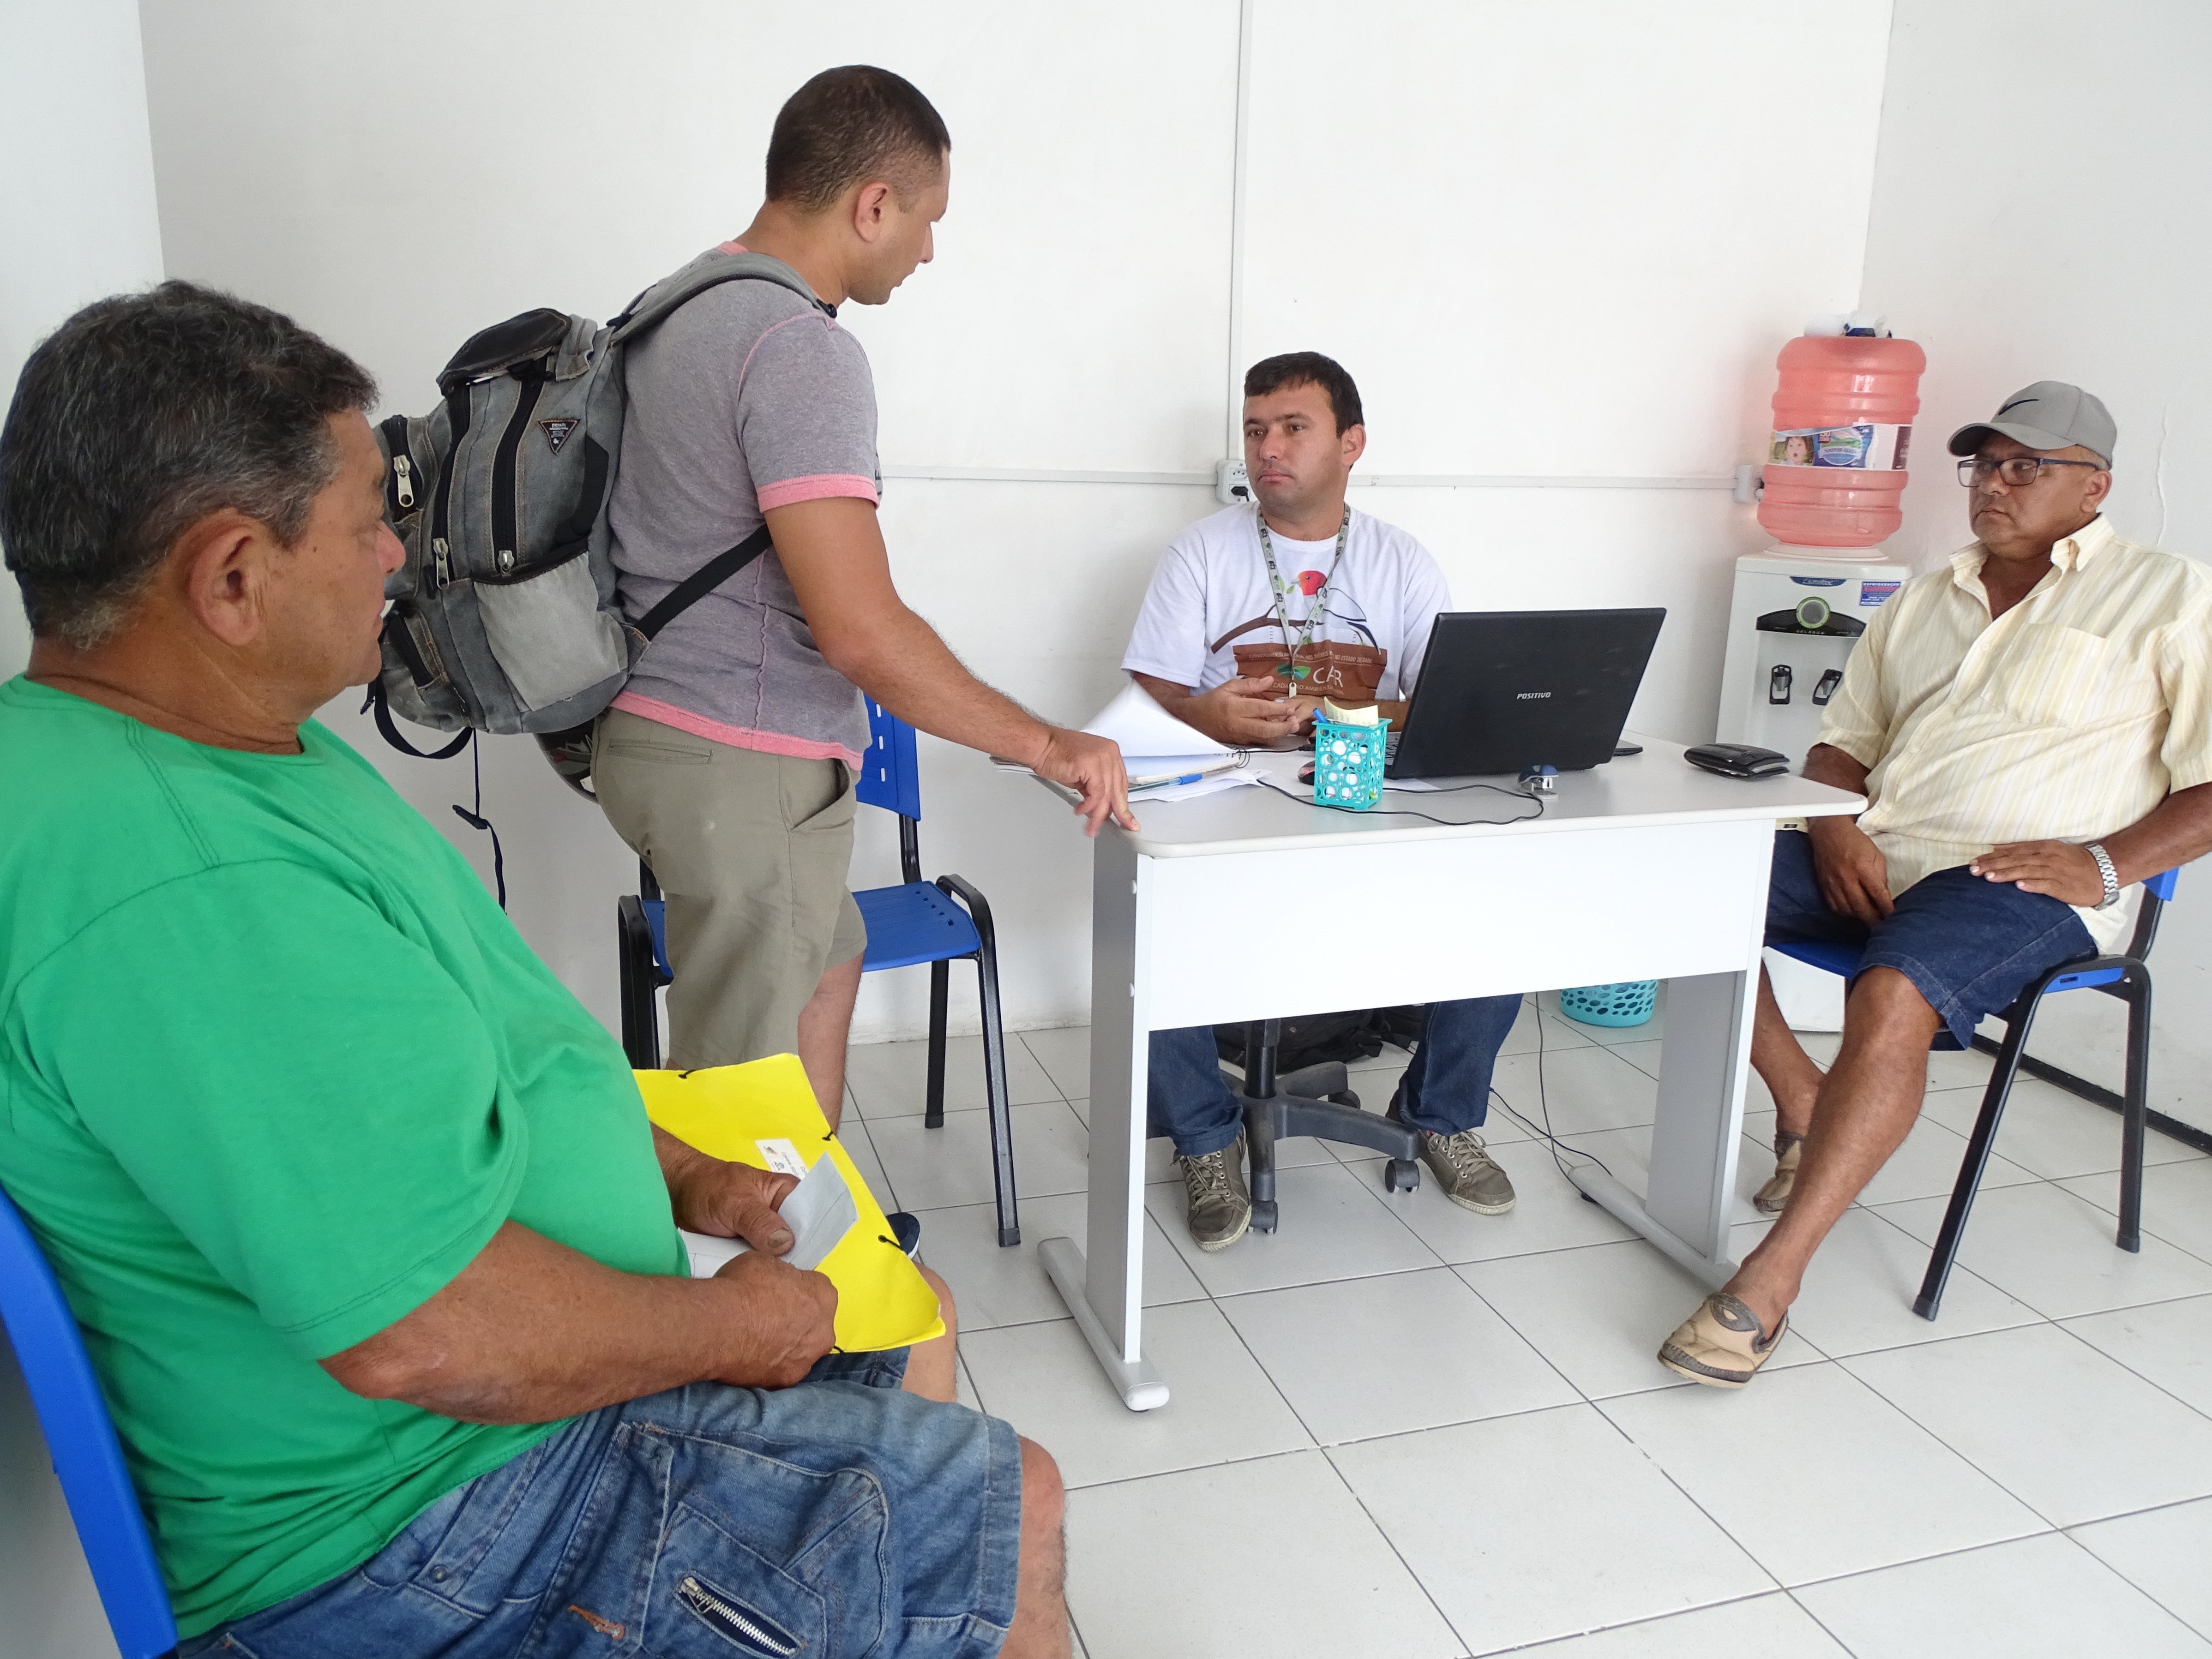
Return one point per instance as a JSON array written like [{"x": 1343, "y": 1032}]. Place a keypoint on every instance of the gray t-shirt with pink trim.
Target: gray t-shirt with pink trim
[{"x": 748, "y": 398}]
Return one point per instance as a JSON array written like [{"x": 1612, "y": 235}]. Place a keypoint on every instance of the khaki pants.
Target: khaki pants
[{"x": 752, "y": 852}]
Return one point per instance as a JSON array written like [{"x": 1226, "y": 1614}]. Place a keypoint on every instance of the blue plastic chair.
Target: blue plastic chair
[
  {"x": 914, "y": 922},
  {"x": 81, "y": 1443},
  {"x": 2125, "y": 975}
]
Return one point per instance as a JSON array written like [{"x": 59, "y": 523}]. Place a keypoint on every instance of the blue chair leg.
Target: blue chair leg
[
  {"x": 2137, "y": 985},
  {"x": 1976, "y": 1161},
  {"x": 940, "y": 976}
]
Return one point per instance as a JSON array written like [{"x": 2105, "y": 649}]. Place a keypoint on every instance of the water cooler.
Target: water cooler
[
  {"x": 1796, "y": 614},
  {"x": 1835, "y": 470}
]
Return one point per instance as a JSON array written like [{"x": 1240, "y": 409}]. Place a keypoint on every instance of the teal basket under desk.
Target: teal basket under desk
[{"x": 1628, "y": 1004}]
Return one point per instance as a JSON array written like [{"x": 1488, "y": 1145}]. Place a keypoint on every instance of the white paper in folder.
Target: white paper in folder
[
  {"x": 1155, "y": 744},
  {"x": 819, "y": 1212}
]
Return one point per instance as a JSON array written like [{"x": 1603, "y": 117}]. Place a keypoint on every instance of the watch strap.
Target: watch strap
[{"x": 2096, "y": 851}]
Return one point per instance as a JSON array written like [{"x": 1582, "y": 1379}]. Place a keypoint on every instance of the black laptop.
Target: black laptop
[{"x": 1504, "y": 689}]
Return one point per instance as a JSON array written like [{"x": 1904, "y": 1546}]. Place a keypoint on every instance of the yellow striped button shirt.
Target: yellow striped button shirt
[{"x": 2067, "y": 718}]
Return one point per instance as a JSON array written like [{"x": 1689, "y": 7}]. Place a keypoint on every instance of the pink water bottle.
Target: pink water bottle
[{"x": 1843, "y": 422}]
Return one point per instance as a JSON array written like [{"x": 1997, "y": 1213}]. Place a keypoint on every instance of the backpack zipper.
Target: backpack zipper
[
  {"x": 401, "y": 479},
  {"x": 716, "y": 1612},
  {"x": 457, "y": 416},
  {"x": 507, "y": 465}
]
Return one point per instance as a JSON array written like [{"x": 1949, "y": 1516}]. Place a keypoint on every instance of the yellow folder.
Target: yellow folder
[{"x": 726, "y": 1111}]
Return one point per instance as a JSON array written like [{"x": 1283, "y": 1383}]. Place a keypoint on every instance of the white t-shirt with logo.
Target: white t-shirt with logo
[{"x": 1210, "y": 595}]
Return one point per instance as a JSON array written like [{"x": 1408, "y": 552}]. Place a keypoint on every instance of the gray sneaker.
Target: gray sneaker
[
  {"x": 1220, "y": 1206},
  {"x": 1468, "y": 1174}
]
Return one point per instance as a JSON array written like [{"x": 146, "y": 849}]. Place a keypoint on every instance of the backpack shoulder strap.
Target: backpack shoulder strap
[
  {"x": 703, "y": 581},
  {"x": 653, "y": 307}
]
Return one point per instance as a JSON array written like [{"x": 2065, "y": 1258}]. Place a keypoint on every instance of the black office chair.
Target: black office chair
[
  {"x": 2125, "y": 975},
  {"x": 1316, "y": 1100}
]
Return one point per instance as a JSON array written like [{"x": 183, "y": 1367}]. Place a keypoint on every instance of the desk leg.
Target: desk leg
[
  {"x": 1106, "y": 1292},
  {"x": 1696, "y": 1139}
]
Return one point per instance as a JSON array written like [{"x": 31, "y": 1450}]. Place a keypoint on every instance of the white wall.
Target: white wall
[
  {"x": 2043, "y": 210},
  {"x": 1557, "y": 241},
  {"x": 77, "y": 199}
]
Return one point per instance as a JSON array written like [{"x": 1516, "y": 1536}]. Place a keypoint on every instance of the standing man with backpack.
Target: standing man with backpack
[{"x": 728, "y": 762}]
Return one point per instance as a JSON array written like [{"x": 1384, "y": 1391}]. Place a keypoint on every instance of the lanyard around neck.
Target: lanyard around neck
[{"x": 1318, "y": 616}]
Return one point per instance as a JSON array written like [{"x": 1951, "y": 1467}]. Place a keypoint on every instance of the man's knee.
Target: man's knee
[
  {"x": 1044, "y": 1498},
  {"x": 1885, "y": 1010},
  {"x": 945, "y": 1308}
]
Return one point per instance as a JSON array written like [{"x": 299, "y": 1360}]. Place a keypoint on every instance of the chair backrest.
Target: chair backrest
[
  {"x": 2159, "y": 892},
  {"x": 888, "y": 777},
  {"x": 82, "y": 1442}
]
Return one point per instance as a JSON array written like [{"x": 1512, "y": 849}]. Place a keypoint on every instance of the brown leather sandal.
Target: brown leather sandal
[{"x": 1770, "y": 1198}]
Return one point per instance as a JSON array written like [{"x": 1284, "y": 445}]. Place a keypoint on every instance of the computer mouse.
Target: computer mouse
[{"x": 1737, "y": 760}]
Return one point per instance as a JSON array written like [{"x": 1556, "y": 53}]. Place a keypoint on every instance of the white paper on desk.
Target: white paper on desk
[
  {"x": 819, "y": 1211},
  {"x": 1213, "y": 786},
  {"x": 1148, "y": 733}
]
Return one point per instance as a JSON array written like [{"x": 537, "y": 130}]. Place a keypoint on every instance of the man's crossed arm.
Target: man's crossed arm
[
  {"x": 1855, "y": 880},
  {"x": 531, "y": 1331}
]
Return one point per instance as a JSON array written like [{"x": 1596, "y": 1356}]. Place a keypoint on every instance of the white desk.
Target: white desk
[{"x": 1642, "y": 869}]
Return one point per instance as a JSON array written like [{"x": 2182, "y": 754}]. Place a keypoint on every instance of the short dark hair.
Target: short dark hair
[
  {"x": 849, "y": 125},
  {"x": 140, "y": 415},
  {"x": 1308, "y": 368}
]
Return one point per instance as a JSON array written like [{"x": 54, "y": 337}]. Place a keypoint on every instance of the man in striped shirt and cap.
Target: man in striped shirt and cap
[{"x": 2032, "y": 727}]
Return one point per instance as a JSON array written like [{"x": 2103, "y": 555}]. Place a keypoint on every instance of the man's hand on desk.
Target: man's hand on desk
[
  {"x": 1093, "y": 767},
  {"x": 2059, "y": 869},
  {"x": 1248, "y": 713},
  {"x": 1854, "y": 876}
]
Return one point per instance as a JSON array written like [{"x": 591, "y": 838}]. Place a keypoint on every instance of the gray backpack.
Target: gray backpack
[{"x": 504, "y": 617}]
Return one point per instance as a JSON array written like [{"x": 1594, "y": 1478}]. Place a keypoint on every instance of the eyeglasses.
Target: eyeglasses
[{"x": 2017, "y": 470}]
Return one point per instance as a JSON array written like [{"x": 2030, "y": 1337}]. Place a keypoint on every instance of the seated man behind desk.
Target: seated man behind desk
[
  {"x": 2029, "y": 727},
  {"x": 371, "y": 1246},
  {"x": 1302, "y": 567}
]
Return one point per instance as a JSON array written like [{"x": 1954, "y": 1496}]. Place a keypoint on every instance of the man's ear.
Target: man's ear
[
  {"x": 222, "y": 563},
  {"x": 1354, "y": 439},
  {"x": 870, "y": 208},
  {"x": 2100, "y": 485}
]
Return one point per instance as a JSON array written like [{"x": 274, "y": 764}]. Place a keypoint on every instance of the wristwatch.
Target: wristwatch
[{"x": 2096, "y": 851}]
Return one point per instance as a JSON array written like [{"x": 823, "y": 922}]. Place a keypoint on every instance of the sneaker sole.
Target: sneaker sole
[
  {"x": 1242, "y": 1227},
  {"x": 1482, "y": 1209}
]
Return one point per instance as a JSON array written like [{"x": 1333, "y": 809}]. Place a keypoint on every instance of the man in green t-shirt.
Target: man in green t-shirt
[{"x": 359, "y": 1212}]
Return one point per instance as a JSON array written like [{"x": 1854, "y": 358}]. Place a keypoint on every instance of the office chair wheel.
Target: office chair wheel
[
  {"x": 1263, "y": 1215},
  {"x": 1401, "y": 1174},
  {"x": 1345, "y": 1098}
]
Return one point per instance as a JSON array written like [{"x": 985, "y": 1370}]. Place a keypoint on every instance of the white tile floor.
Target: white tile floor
[{"x": 1400, "y": 1429}]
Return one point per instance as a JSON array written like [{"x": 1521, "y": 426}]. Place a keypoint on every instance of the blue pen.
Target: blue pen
[{"x": 1160, "y": 782}]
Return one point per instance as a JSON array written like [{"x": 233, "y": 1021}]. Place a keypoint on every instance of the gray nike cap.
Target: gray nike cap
[{"x": 2047, "y": 415}]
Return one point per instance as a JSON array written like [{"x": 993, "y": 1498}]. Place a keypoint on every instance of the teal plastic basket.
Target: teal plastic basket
[
  {"x": 1348, "y": 765},
  {"x": 1628, "y": 1004}
]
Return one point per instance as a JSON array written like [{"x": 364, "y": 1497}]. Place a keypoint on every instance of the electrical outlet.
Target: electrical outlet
[{"x": 1230, "y": 484}]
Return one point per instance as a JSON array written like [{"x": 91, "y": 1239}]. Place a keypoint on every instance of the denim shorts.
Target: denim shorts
[
  {"x": 842, "y": 1516},
  {"x": 1968, "y": 946}
]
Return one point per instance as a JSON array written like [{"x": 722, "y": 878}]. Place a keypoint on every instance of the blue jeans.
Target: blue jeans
[
  {"x": 1446, "y": 1088},
  {"x": 841, "y": 1516},
  {"x": 1968, "y": 946}
]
